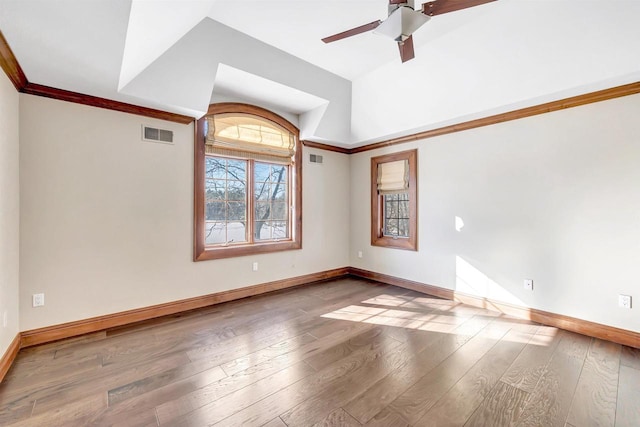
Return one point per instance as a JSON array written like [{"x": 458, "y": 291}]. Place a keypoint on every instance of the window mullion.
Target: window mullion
[{"x": 250, "y": 201}]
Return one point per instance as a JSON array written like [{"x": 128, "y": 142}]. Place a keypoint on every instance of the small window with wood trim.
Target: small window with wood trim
[
  {"x": 247, "y": 183},
  {"x": 394, "y": 200}
]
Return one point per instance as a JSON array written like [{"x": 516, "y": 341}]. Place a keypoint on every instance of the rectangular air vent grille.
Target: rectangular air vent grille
[
  {"x": 157, "y": 135},
  {"x": 315, "y": 158}
]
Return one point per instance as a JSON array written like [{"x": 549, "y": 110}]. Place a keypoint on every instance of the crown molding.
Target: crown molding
[
  {"x": 14, "y": 72},
  {"x": 10, "y": 65},
  {"x": 94, "y": 101},
  {"x": 326, "y": 147},
  {"x": 547, "y": 107}
]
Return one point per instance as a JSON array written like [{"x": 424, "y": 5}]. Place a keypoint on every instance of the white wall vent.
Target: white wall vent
[
  {"x": 315, "y": 158},
  {"x": 157, "y": 135}
]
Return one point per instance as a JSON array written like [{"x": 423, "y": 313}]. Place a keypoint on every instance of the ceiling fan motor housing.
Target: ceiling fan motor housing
[{"x": 401, "y": 23}]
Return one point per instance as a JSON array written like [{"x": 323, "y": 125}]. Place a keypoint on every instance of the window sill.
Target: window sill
[
  {"x": 220, "y": 252},
  {"x": 404, "y": 243}
]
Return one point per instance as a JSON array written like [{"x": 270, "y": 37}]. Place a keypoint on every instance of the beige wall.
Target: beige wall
[
  {"x": 106, "y": 219},
  {"x": 9, "y": 212},
  {"x": 554, "y": 198}
]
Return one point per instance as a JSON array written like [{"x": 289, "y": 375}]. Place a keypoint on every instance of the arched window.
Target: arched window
[{"x": 248, "y": 183}]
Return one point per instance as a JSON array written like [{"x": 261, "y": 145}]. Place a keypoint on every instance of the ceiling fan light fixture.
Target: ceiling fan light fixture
[{"x": 401, "y": 23}]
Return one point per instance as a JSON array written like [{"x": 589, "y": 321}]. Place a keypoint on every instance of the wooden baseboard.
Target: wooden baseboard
[
  {"x": 9, "y": 356},
  {"x": 94, "y": 324},
  {"x": 584, "y": 327}
]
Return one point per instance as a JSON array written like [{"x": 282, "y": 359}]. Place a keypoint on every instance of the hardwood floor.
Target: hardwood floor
[{"x": 341, "y": 353}]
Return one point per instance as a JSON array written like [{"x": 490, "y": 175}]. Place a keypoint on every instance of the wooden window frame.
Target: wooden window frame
[
  {"x": 377, "y": 203},
  {"x": 203, "y": 252}
]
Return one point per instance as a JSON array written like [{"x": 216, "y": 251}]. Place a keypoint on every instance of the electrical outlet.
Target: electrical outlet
[
  {"x": 359, "y": 254},
  {"x": 38, "y": 300},
  {"x": 5, "y": 319},
  {"x": 624, "y": 301},
  {"x": 254, "y": 267},
  {"x": 528, "y": 284}
]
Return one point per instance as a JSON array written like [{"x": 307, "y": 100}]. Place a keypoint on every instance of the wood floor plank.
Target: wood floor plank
[
  {"x": 594, "y": 401},
  {"x": 144, "y": 385},
  {"x": 350, "y": 386},
  {"x": 321, "y": 356},
  {"x": 276, "y": 422},
  {"x": 628, "y": 405},
  {"x": 373, "y": 400},
  {"x": 241, "y": 363},
  {"x": 227, "y": 405},
  {"x": 502, "y": 407},
  {"x": 550, "y": 401},
  {"x": 198, "y": 398},
  {"x": 15, "y": 411},
  {"x": 387, "y": 418},
  {"x": 630, "y": 357},
  {"x": 55, "y": 395},
  {"x": 142, "y": 418},
  {"x": 287, "y": 398},
  {"x": 338, "y": 418},
  {"x": 51, "y": 371},
  {"x": 532, "y": 361},
  {"x": 71, "y": 413},
  {"x": 460, "y": 402},
  {"x": 124, "y": 410},
  {"x": 417, "y": 400}
]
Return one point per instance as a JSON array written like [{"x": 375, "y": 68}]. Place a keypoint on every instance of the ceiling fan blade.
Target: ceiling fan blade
[
  {"x": 352, "y": 32},
  {"x": 406, "y": 49},
  {"x": 439, "y": 7},
  {"x": 397, "y": 1}
]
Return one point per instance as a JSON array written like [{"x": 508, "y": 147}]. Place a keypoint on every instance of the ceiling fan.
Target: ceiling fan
[{"x": 403, "y": 20}]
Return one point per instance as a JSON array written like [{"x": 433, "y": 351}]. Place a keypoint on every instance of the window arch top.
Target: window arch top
[{"x": 248, "y": 133}]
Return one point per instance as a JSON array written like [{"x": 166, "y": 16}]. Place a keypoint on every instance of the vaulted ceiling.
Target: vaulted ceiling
[{"x": 180, "y": 55}]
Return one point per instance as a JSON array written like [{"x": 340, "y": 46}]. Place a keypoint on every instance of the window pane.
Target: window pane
[
  {"x": 215, "y": 189},
  {"x": 262, "y": 231},
  {"x": 396, "y": 215},
  {"x": 262, "y": 191},
  {"x": 279, "y": 211},
  {"x": 215, "y": 233},
  {"x": 280, "y": 192},
  {"x": 263, "y": 211},
  {"x": 236, "y": 210},
  {"x": 215, "y": 167},
  {"x": 262, "y": 172},
  {"x": 271, "y": 201},
  {"x": 403, "y": 227},
  {"x": 236, "y": 190},
  {"x": 221, "y": 232},
  {"x": 237, "y": 169},
  {"x": 269, "y": 230},
  {"x": 226, "y": 200},
  {"x": 403, "y": 209},
  {"x": 391, "y": 209},
  {"x": 280, "y": 229},
  {"x": 391, "y": 227},
  {"x": 236, "y": 232},
  {"x": 278, "y": 174},
  {"x": 216, "y": 211}
]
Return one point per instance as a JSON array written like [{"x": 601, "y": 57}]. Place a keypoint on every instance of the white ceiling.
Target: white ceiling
[{"x": 177, "y": 55}]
